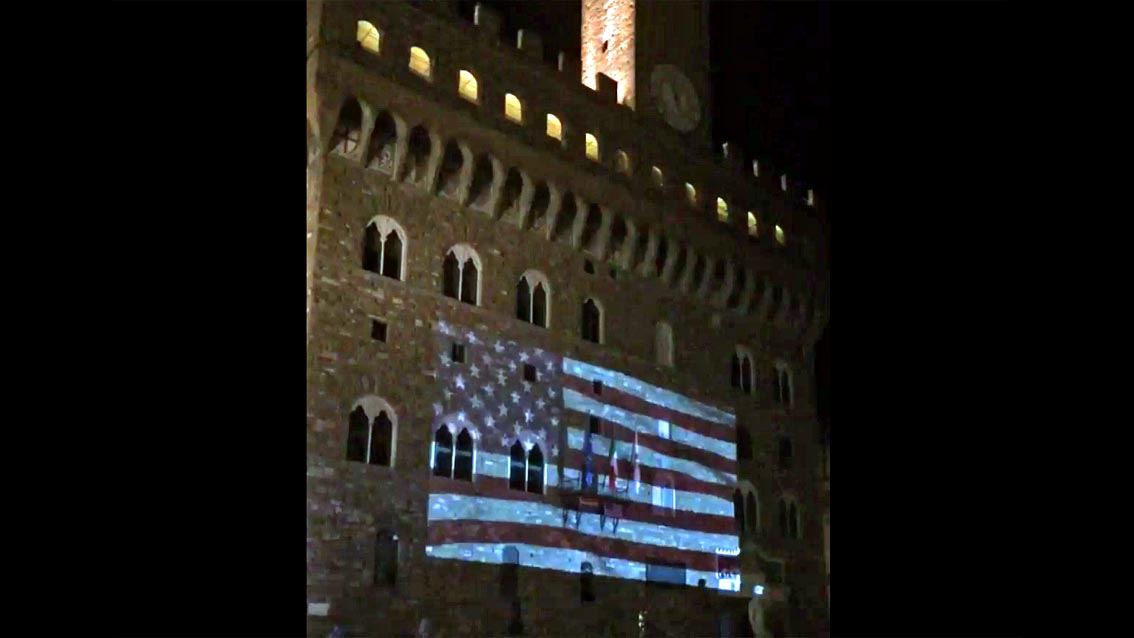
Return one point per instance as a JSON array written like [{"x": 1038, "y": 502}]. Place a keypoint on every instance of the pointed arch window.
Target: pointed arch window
[
  {"x": 370, "y": 440},
  {"x": 722, "y": 210},
  {"x": 752, "y": 228},
  {"x": 383, "y": 250},
  {"x": 461, "y": 274},
  {"x": 463, "y": 462},
  {"x": 420, "y": 63},
  {"x": 467, "y": 86},
  {"x": 592, "y": 147},
  {"x": 368, "y": 37},
  {"x": 443, "y": 452},
  {"x": 513, "y": 109},
  {"x": 532, "y": 298},
  {"x": 742, "y": 367}
]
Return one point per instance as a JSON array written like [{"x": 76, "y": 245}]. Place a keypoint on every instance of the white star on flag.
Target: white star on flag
[
  {"x": 472, "y": 337},
  {"x": 460, "y": 382},
  {"x": 489, "y": 421},
  {"x": 474, "y": 371},
  {"x": 551, "y": 392},
  {"x": 487, "y": 359},
  {"x": 503, "y": 440},
  {"x": 516, "y": 428},
  {"x": 503, "y": 410},
  {"x": 515, "y": 398},
  {"x": 460, "y": 416},
  {"x": 443, "y": 327},
  {"x": 527, "y": 416},
  {"x": 523, "y": 356},
  {"x": 554, "y": 420},
  {"x": 475, "y": 401},
  {"x": 551, "y": 366},
  {"x": 437, "y": 409},
  {"x": 540, "y": 403},
  {"x": 448, "y": 395},
  {"x": 512, "y": 366},
  {"x": 488, "y": 389},
  {"x": 500, "y": 377},
  {"x": 445, "y": 361},
  {"x": 527, "y": 386},
  {"x": 499, "y": 347},
  {"x": 538, "y": 351},
  {"x": 554, "y": 450}
]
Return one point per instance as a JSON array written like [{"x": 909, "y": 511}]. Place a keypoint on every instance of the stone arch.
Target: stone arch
[
  {"x": 661, "y": 255},
  {"x": 565, "y": 220},
  {"x": 480, "y": 188},
  {"x": 510, "y": 196},
  {"x": 744, "y": 370},
  {"x": 418, "y": 150},
  {"x": 617, "y": 245},
  {"x": 641, "y": 246},
  {"x": 541, "y": 202},
  {"x": 593, "y": 315},
  {"x": 374, "y": 406},
  {"x": 382, "y": 147},
  {"x": 751, "y": 506},
  {"x": 591, "y": 225},
  {"x": 733, "y": 301},
  {"x": 453, "y": 160},
  {"x": 347, "y": 136}
]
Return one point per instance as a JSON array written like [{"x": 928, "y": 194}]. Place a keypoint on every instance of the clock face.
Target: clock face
[{"x": 675, "y": 97}]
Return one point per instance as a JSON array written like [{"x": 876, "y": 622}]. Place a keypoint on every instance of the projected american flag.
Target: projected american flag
[{"x": 674, "y": 467}]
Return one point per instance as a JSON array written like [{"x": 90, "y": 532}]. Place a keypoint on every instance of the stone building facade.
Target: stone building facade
[{"x": 709, "y": 274}]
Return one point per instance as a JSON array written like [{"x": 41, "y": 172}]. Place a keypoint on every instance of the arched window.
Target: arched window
[
  {"x": 383, "y": 250},
  {"x": 386, "y": 558},
  {"x": 657, "y": 177},
  {"x": 592, "y": 147},
  {"x": 690, "y": 194},
  {"x": 368, "y": 36},
  {"x": 752, "y": 513},
  {"x": 785, "y": 453},
  {"x": 752, "y": 229},
  {"x": 663, "y": 343},
  {"x": 348, "y": 129},
  {"x": 743, "y": 443},
  {"x": 419, "y": 62},
  {"x": 554, "y": 127},
  {"x": 535, "y": 470},
  {"x": 532, "y": 298},
  {"x": 780, "y": 235},
  {"x": 738, "y": 510},
  {"x": 443, "y": 452},
  {"x": 463, "y": 464},
  {"x": 371, "y": 432},
  {"x": 466, "y": 86},
  {"x": 622, "y": 162},
  {"x": 513, "y": 110},
  {"x": 592, "y": 321},
  {"x": 793, "y": 520},
  {"x": 518, "y": 471},
  {"x": 782, "y": 384},
  {"x": 461, "y": 274},
  {"x": 587, "y": 583},
  {"x": 722, "y": 210}
]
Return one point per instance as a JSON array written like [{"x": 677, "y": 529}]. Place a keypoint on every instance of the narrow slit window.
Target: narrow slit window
[
  {"x": 690, "y": 194},
  {"x": 622, "y": 162},
  {"x": 657, "y": 177},
  {"x": 752, "y": 228},
  {"x": 780, "y": 235},
  {"x": 378, "y": 330},
  {"x": 554, "y": 127},
  {"x": 458, "y": 353},
  {"x": 592, "y": 147},
  {"x": 722, "y": 210}
]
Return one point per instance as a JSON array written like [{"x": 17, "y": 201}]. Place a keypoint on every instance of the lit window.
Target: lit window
[
  {"x": 554, "y": 127},
  {"x": 512, "y": 108},
  {"x": 622, "y": 162},
  {"x": 368, "y": 36},
  {"x": 752, "y": 230},
  {"x": 592, "y": 147},
  {"x": 810, "y": 197},
  {"x": 722, "y": 210},
  {"x": 467, "y": 86},
  {"x": 755, "y": 168},
  {"x": 419, "y": 62},
  {"x": 691, "y": 193},
  {"x": 656, "y": 175},
  {"x": 783, "y": 182},
  {"x": 779, "y": 235}
]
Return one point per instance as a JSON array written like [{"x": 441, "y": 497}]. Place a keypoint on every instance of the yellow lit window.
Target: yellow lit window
[
  {"x": 780, "y": 235},
  {"x": 419, "y": 62},
  {"x": 622, "y": 162},
  {"x": 368, "y": 36},
  {"x": 810, "y": 197},
  {"x": 554, "y": 127},
  {"x": 755, "y": 168},
  {"x": 752, "y": 224},
  {"x": 512, "y": 108},
  {"x": 656, "y": 175},
  {"x": 722, "y": 210},
  {"x": 467, "y": 86},
  {"x": 592, "y": 147},
  {"x": 691, "y": 193}
]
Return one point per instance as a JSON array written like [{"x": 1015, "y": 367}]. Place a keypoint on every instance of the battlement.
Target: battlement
[{"x": 626, "y": 146}]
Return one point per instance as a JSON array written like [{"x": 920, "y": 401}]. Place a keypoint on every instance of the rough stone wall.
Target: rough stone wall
[{"x": 349, "y": 502}]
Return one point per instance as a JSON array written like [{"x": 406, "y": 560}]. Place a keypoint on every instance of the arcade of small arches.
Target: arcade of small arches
[{"x": 384, "y": 142}]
